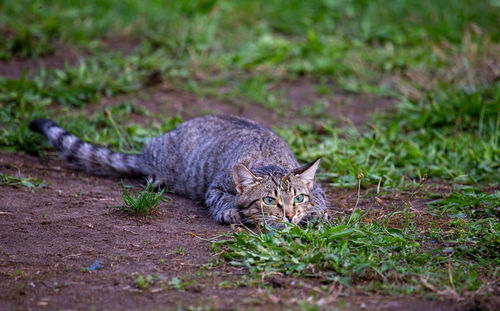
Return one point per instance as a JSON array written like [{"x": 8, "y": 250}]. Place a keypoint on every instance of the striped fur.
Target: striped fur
[
  {"x": 90, "y": 158},
  {"x": 230, "y": 163}
]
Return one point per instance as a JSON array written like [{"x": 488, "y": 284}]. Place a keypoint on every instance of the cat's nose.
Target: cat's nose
[{"x": 290, "y": 216}]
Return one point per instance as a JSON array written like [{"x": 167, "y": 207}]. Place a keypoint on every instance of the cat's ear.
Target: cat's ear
[
  {"x": 243, "y": 177},
  {"x": 307, "y": 172}
]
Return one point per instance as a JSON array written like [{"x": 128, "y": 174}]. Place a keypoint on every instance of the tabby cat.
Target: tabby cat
[{"x": 244, "y": 172}]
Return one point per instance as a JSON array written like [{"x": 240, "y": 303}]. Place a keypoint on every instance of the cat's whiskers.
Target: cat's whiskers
[{"x": 256, "y": 218}]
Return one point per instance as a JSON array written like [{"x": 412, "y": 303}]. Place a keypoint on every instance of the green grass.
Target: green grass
[
  {"x": 142, "y": 282},
  {"x": 106, "y": 74},
  {"x": 23, "y": 104},
  {"x": 147, "y": 281},
  {"x": 468, "y": 204},
  {"x": 30, "y": 182},
  {"x": 451, "y": 135},
  {"x": 359, "y": 43},
  {"x": 144, "y": 203},
  {"x": 81, "y": 22},
  {"x": 382, "y": 258}
]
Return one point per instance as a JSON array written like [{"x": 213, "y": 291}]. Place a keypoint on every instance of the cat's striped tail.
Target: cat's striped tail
[{"x": 90, "y": 158}]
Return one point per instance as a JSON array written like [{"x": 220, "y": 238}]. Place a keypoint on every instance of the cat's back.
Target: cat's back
[
  {"x": 215, "y": 135},
  {"x": 221, "y": 131},
  {"x": 227, "y": 124},
  {"x": 204, "y": 148}
]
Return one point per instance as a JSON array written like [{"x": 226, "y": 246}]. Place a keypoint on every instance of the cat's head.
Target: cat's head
[{"x": 276, "y": 195}]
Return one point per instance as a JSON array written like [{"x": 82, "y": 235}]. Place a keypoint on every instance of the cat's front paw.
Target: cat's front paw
[
  {"x": 155, "y": 181},
  {"x": 230, "y": 216},
  {"x": 315, "y": 215}
]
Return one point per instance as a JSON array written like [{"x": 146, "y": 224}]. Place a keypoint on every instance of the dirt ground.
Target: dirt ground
[{"x": 49, "y": 235}]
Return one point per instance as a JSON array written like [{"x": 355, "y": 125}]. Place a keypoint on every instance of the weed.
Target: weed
[
  {"x": 180, "y": 250},
  {"x": 142, "y": 282},
  {"x": 177, "y": 284},
  {"x": 30, "y": 182},
  {"x": 224, "y": 284},
  {"x": 20, "y": 273},
  {"x": 144, "y": 203}
]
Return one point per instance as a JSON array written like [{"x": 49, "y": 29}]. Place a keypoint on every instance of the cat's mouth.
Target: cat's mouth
[{"x": 276, "y": 222}]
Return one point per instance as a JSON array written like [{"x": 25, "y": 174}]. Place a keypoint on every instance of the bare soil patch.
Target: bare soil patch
[
  {"x": 64, "y": 55},
  {"x": 165, "y": 99},
  {"x": 341, "y": 106},
  {"x": 14, "y": 68}
]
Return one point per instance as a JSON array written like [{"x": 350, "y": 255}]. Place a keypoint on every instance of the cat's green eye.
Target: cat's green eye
[
  {"x": 299, "y": 198},
  {"x": 269, "y": 200}
]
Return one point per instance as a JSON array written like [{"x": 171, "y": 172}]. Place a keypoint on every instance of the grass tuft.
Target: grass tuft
[
  {"x": 142, "y": 282},
  {"x": 30, "y": 182},
  {"x": 145, "y": 203}
]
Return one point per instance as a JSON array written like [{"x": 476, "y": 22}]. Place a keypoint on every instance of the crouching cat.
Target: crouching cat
[{"x": 243, "y": 172}]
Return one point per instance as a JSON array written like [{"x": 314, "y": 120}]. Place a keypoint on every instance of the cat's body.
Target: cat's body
[{"x": 240, "y": 169}]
